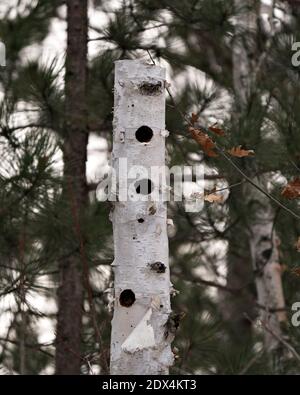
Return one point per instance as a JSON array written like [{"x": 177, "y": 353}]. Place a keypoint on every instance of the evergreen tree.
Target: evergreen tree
[{"x": 46, "y": 231}]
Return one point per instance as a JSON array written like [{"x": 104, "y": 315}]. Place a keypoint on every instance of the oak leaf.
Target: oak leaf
[
  {"x": 216, "y": 130},
  {"x": 239, "y": 152},
  {"x": 292, "y": 189},
  {"x": 204, "y": 141},
  {"x": 213, "y": 198}
]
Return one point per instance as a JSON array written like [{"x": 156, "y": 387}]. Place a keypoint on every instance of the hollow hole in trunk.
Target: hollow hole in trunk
[
  {"x": 144, "y": 134},
  {"x": 158, "y": 267},
  {"x": 141, "y": 220},
  {"x": 127, "y": 298},
  {"x": 144, "y": 187}
]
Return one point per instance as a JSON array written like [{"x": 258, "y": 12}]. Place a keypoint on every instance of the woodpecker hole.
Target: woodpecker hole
[
  {"x": 267, "y": 253},
  {"x": 265, "y": 238},
  {"x": 144, "y": 134},
  {"x": 141, "y": 220},
  {"x": 158, "y": 267},
  {"x": 143, "y": 187},
  {"x": 151, "y": 88},
  {"x": 127, "y": 298}
]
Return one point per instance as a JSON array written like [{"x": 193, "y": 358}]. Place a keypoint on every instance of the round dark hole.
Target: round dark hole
[
  {"x": 141, "y": 220},
  {"x": 144, "y": 134},
  {"x": 143, "y": 187},
  {"x": 127, "y": 298}
]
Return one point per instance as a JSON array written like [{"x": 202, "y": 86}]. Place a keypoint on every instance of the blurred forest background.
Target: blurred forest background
[{"x": 42, "y": 234}]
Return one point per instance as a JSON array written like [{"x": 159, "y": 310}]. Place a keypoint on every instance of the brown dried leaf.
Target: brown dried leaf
[
  {"x": 213, "y": 198},
  {"x": 296, "y": 271},
  {"x": 292, "y": 189},
  {"x": 239, "y": 152},
  {"x": 194, "y": 118},
  {"x": 217, "y": 130},
  {"x": 204, "y": 141}
]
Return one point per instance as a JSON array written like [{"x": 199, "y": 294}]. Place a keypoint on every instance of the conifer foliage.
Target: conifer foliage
[{"x": 232, "y": 106}]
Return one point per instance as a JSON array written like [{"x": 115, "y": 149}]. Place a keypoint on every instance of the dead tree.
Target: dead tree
[{"x": 140, "y": 342}]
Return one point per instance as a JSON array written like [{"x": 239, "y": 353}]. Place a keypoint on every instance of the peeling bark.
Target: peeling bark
[
  {"x": 265, "y": 261},
  {"x": 138, "y": 344}
]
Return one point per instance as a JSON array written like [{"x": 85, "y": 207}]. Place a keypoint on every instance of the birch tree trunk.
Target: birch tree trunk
[
  {"x": 259, "y": 214},
  {"x": 140, "y": 343}
]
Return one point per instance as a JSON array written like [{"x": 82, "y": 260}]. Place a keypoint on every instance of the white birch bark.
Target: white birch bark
[
  {"x": 139, "y": 344},
  {"x": 260, "y": 215}
]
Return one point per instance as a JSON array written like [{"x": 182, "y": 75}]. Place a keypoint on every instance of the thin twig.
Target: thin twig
[
  {"x": 228, "y": 159},
  {"x": 251, "y": 362},
  {"x": 276, "y": 336}
]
